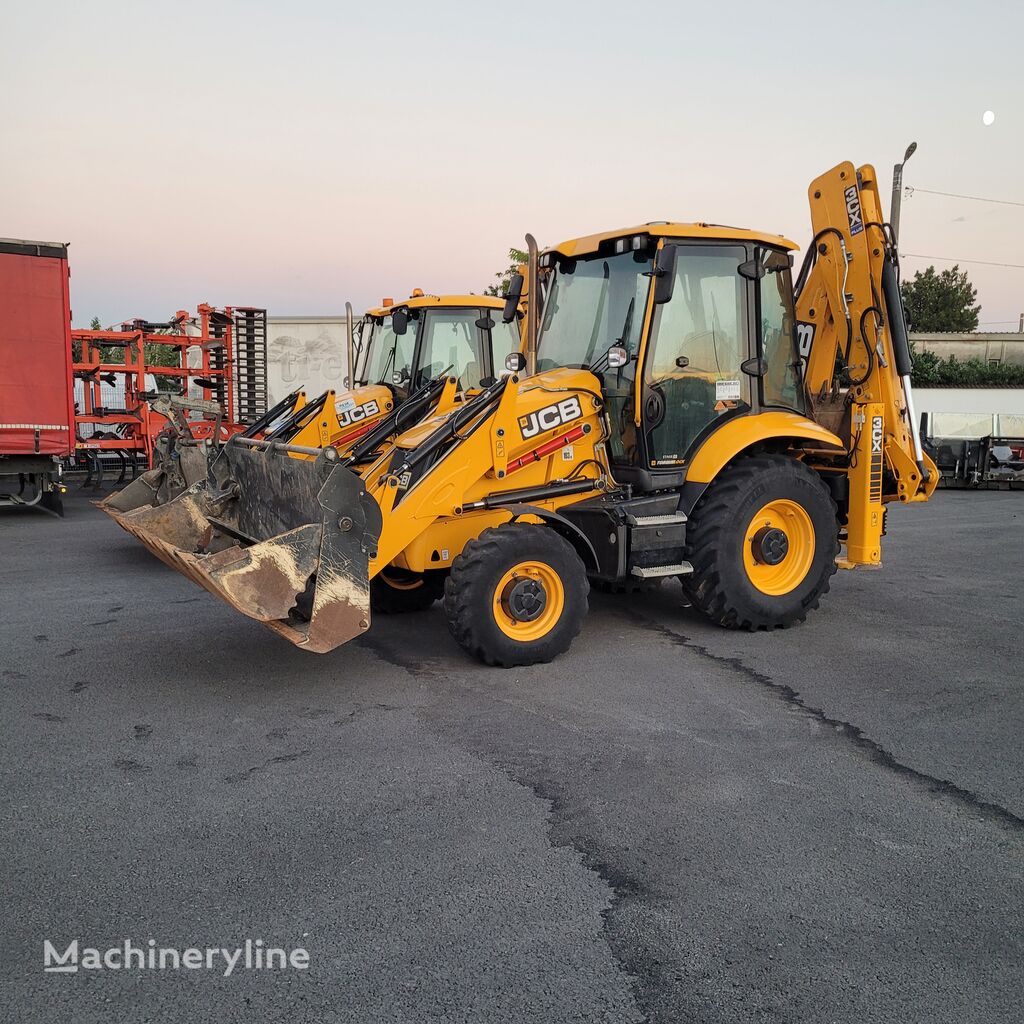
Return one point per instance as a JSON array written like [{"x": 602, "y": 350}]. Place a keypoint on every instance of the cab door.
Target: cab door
[{"x": 698, "y": 341}]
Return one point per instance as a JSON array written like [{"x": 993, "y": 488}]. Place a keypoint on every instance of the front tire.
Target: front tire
[
  {"x": 763, "y": 542},
  {"x": 517, "y": 595}
]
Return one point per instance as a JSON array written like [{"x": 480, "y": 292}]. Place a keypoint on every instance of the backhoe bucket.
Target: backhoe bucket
[{"x": 285, "y": 540}]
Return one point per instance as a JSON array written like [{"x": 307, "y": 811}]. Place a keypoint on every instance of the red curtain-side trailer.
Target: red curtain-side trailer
[{"x": 37, "y": 411}]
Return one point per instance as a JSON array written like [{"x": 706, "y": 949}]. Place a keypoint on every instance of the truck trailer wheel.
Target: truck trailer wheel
[
  {"x": 517, "y": 595},
  {"x": 395, "y": 591},
  {"x": 763, "y": 542}
]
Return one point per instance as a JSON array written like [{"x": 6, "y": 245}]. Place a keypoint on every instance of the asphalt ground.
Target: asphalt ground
[{"x": 670, "y": 823}]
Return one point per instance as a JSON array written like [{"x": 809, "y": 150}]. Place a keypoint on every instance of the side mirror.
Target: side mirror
[
  {"x": 664, "y": 274},
  {"x": 512, "y": 297},
  {"x": 617, "y": 356},
  {"x": 515, "y": 362},
  {"x": 775, "y": 261},
  {"x": 400, "y": 322},
  {"x": 752, "y": 270},
  {"x": 767, "y": 261},
  {"x": 485, "y": 323}
]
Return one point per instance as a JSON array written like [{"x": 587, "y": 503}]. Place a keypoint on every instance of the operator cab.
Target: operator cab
[
  {"x": 414, "y": 342},
  {"x": 705, "y": 316}
]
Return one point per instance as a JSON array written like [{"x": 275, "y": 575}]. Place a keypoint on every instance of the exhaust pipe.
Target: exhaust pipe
[
  {"x": 532, "y": 305},
  {"x": 351, "y": 336}
]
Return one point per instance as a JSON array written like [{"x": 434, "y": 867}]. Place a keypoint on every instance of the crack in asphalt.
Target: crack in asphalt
[
  {"x": 878, "y": 754},
  {"x": 623, "y": 888},
  {"x": 269, "y": 763}
]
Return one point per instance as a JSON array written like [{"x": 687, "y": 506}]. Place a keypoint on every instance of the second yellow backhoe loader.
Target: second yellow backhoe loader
[
  {"x": 681, "y": 410},
  {"x": 407, "y": 351},
  {"x": 463, "y": 335}
]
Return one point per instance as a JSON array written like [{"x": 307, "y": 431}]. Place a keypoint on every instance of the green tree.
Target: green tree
[
  {"x": 76, "y": 346},
  {"x": 932, "y": 371},
  {"x": 941, "y": 301},
  {"x": 517, "y": 257}
]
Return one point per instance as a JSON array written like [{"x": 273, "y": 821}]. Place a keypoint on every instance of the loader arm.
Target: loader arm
[
  {"x": 461, "y": 471},
  {"x": 855, "y": 349}
]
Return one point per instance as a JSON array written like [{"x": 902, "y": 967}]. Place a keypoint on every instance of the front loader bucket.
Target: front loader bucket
[{"x": 286, "y": 541}]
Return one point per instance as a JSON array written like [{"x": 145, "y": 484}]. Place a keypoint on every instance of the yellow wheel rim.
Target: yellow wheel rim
[
  {"x": 528, "y": 601},
  {"x": 778, "y": 547},
  {"x": 398, "y": 583}
]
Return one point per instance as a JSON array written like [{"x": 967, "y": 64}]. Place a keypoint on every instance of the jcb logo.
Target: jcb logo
[
  {"x": 804, "y": 339},
  {"x": 549, "y": 417},
  {"x": 876, "y": 435},
  {"x": 357, "y": 413},
  {"x": 853, "y": 211}
]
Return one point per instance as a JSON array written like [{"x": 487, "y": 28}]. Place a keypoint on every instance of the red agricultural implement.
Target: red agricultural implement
[{"x": 200, "y": 378}]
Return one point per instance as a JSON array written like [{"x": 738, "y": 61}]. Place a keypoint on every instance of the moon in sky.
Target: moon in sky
[{"x": 988, "y": 118}]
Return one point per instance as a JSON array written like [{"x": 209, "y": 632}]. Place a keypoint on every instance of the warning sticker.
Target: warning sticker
[{"x": 727, "y": 390}]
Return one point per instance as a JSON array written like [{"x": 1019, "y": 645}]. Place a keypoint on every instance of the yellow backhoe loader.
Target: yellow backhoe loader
[
  {"x": 407, "y": 352},
  {"x": 461, "y": 334},
  {"x": 681, "y": 410}
]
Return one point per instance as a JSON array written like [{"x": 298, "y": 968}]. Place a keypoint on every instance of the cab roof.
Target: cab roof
[
  {"x": 671, "y": 229},
  {"x": 458, "y": 301}
]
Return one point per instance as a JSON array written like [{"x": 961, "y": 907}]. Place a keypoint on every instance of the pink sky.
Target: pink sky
[{"x": 295, "y": 156}]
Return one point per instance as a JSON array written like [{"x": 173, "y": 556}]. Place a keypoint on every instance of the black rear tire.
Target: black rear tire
[
  {"x": 397, "y": 591},
  {"x": 718, "y": 534},
  {"x": 482, "y": 619}
]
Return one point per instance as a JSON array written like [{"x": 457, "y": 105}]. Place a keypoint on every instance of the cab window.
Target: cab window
[
  {"x": 388, "y": 353},
  {"x": 782, "y": 385},
  {"x": 451, "y": 339},
  {"x": 504, "y": 339}
]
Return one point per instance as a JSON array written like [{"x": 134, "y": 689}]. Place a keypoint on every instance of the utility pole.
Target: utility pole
[{"x": 897, "y": 191}]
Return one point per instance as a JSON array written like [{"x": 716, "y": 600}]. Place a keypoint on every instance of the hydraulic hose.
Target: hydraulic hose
[{"x": 901, "y": 352}]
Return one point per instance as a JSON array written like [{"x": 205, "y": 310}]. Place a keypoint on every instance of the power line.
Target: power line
[
  {"x": 949, "y": 259},
  {"x": 911, "y": 189}
]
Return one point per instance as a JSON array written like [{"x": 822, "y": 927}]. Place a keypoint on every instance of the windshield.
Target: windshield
[
  {"x": 592, "y": 305},
  {"x": 451, "y": 338},
  {"x": 364, "y": 343},
  {"x": 380, "y": 358}
]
